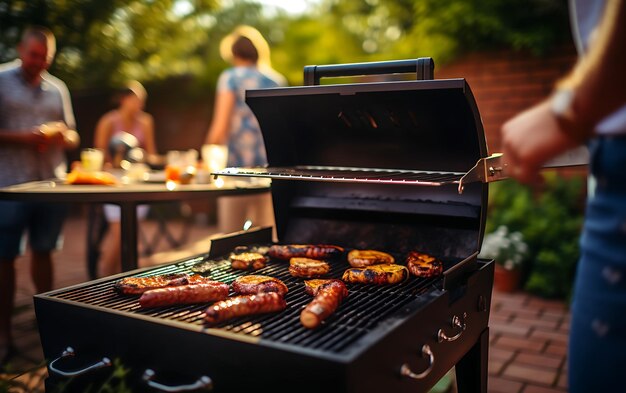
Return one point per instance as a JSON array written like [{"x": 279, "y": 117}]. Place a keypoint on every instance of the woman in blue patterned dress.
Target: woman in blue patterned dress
[{"x": 235, "y": 125}]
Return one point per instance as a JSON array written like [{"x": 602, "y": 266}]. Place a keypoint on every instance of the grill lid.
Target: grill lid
[{"x": 362, "y": 148}]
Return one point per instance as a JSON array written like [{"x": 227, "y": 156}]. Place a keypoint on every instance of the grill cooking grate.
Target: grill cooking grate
[
  {"x": 365, "y": 307},
  {"x": 351, "y": 175}
]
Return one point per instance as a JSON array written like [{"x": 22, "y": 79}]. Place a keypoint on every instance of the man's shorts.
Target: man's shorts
[{"x": 43, "y": 221}]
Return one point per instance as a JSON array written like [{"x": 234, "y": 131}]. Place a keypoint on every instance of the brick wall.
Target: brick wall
[{"x": 505, "y": 83}]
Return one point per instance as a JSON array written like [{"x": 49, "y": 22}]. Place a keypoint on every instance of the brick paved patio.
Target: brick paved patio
[{"x": 528, "y": 340}]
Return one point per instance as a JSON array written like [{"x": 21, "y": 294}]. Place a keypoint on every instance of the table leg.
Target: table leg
[{"x": 128, "y": 221}]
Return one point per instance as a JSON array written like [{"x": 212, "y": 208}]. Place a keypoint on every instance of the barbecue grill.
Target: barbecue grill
[{"x": 371, "y": 165}]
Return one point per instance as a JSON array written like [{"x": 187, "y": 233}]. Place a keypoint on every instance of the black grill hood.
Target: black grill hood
[{"x": 422, "y": 125}]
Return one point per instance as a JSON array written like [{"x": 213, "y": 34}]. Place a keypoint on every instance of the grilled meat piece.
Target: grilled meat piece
[
  {"x": 258, "y": 249},
  {"x": 239, "y": 306},
  {"x": 139, "y": 285},
  {"x": 311, "y": 286},
  {"x": 328, "y": 296},
  {"x": 204, "y": 268},
  {"x": 363, "y": 258},
  {"x": 185, "y": 294},
  {"x": 377, "y": 274},
  {"x": 320, "y": 251},
  {"x": 308, "y": 268},
  {"x": 247, "y": 260},
  {"x": 423, "y": 265},
  {"x": 251, "y": 284}
]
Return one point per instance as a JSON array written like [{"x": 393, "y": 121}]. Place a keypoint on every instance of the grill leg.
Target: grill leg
[{"x": 471, "y": 371}]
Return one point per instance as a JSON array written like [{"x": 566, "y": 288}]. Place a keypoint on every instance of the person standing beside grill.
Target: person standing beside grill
[
  {"x": 35, "y": 120},
  {"x": 235, "y": 125},
  {"x": 117, "y": 132},
  {"x": 589, "y": 106}
]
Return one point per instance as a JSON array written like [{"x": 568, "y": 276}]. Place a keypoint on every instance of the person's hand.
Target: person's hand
[
  {"x": 532, "y": 138},
  {"x": 36, "y": 139}
]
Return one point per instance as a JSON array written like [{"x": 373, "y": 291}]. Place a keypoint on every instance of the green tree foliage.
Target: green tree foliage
[
  {"x": 104, "y": 42},
  {"x": 445, "y": 28}
]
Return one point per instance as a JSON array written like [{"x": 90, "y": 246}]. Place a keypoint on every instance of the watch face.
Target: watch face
[{"x": 562, "y": 101}]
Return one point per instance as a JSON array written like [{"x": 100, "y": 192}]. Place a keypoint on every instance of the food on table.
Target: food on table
[
  {"x": 328, "y": 296},
  {"x": 363, "y": 258},
  {"x": 307, "y": 267},
  {"x": 243, "y": 305},
  {"x": 185, "y": 294},
  {"x": 78, "y": 176},
  {"x": 319, "y": 251},
  {"x": 423, "y": 265},
  {"x": 139, "y": 285},
  {"x": 377, "y": 274},
  {"x": 247, "y": 260},
  {"x": 247, "y": 285}
]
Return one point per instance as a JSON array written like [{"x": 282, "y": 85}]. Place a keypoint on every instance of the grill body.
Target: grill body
[{"x": 400, "y": 338}]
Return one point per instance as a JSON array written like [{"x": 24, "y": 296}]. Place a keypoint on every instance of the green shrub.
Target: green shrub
[{"x": 550, "y": 220}]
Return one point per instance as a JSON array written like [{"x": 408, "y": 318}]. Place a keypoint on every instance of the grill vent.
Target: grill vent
[{"x": 365, "y": 307}]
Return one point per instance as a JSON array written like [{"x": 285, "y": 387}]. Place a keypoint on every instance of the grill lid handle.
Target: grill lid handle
[{"x": 423, "y": 67}]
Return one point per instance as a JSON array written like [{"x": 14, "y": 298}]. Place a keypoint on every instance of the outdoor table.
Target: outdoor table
[{"x": 127, "y": 196}]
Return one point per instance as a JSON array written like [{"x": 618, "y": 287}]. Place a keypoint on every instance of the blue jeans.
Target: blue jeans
[
  {"x": 597, "y": 347},
  {"x": 43, "y": 221}
]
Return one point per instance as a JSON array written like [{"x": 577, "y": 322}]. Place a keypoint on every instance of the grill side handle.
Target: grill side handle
[
  {"x": 494, "y": 168},
  {"x": 423, "y": 67}
]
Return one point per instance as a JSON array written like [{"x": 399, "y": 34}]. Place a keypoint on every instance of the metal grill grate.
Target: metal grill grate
[
  {"x": 350, "y": 175},
  {"x": 363, "y": 310}
]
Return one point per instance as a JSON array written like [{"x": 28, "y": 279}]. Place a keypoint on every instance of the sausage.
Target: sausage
[
  {"x": 185, "y": 294},
  {"x": 239, "y": 306},
  {"x": 328, "y": 297},
  {"x": 319, "y": 251}
]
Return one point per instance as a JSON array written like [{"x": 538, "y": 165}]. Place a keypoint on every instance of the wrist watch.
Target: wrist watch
[{"x": 562, "y": 106}]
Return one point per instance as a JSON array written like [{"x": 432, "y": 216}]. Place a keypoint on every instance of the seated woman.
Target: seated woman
[{"x": 127, "y": 122}]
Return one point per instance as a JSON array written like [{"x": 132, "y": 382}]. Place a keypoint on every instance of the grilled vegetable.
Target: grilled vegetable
[
  {"x": 307, "y": 268},
  {"x": 247, "y": 260},
  {"x": 311, "y": 286},
  {"x": 139, "y": 285},
  {"x": 239, "y": 306},
  {"x": 328, "y": 296},
  {"x": 320, "y": 251},
  {"x": 363, "y": 258},
  {"x": 423, "y": 265},
  {"x": 251, "y": 284},
  {"x": 377, "y": 274},
  {"x": 185, "y": 294}
]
